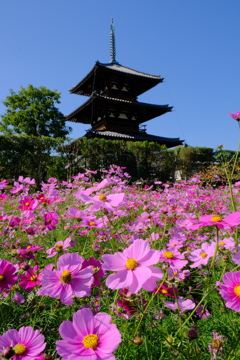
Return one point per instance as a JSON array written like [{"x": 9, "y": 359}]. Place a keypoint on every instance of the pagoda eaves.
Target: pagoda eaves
[{"x": 104, "y": 76}]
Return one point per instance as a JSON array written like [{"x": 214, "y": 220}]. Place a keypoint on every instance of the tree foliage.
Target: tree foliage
[{"x": 33, "y": 112}]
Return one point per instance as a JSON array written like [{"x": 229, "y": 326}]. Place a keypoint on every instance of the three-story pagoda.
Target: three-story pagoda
[{"x": 113, "y": 109}]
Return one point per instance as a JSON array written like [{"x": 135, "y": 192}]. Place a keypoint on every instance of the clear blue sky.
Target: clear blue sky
[{"x": 194, "y": 45}]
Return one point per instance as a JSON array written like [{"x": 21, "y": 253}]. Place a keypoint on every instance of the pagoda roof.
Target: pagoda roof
[
  {"x": 140, "y": 81},
  {"x": 144, "y": 111},
  {"x": 141, "y": 136}
]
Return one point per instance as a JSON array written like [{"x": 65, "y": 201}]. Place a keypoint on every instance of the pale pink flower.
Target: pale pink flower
[
  {"x": 133, "y": 267},
  {"x": 68, "y": 280},
  {"x": 88, "y": 337},
  {"x": 202, "y": 255},
  {"x": 180, "y": 304},
  {"x": 173, "y": 258},
  {"x": 24, "y": 344},
  {"x": 59, "y": 247}
]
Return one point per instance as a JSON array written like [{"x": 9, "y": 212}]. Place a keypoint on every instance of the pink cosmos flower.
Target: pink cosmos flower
[
  {"x": 180, "y": 304},
  {"x": 88, "y": 337},
  {"x": 68, "y": 280},
  {"x": 235, "y": 116},
  {"x": 230, "y": 290},
  {"x": 96, "y": 266},
  {"x": 201, "y": 256},
  {"x": 30, "y": 279},
  {"x": 18, "y": 298},
  {"x": 59, "y": 247},
  {"x": 27, "y": 203},
  {"x": 24, "y": 344},
  {"x": 50, "y": 220},
  {"x": 202, "y": 312},
  {"x": 7, "y": 277},
  {"x": 133, "y": 267},
  {"x": 173, "y": 257},
  {"x": 216, "y": 220}
]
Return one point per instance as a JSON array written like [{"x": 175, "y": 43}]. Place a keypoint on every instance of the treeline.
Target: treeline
[{"x": 41, "y": 158}]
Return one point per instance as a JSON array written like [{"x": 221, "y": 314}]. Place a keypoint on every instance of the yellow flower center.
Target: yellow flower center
[
  {"x": 168, "y": 255},
  {"x": 1, "y": 277},
  {"x": 102, "y": 197},
  {"x": 217, "y": 343},
  {"x": 33, "y": 278},
  {"x": 92, "y": 223},
  {"x": 28, "y": 247},
  {"x": 66, "y": 277},
  {"x": 203, "y": 255},
  {"x": 27, "y": 203},
  {"x": 175, "y": 273},
  {"x": 164, "y": 291},
  {"x": 90, "y": 341},
  {"x": 20, "y": 349},
  {"x": 131, "y": 264},
  {"x": 59, "y": 247},
  {"x": 189, "y": 248},
  {"x": 216, "y": 218},
  {"x": 222, "y": 243},
  {"x": 237, "y": 290}
]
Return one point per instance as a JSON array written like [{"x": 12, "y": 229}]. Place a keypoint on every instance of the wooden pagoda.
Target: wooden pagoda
[{"x": 112, "y": 109}]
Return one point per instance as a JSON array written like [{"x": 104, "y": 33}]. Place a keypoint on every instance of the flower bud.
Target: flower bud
[
  {"x": 137, "y": 340},
  {"x": 24, "y": 266}
]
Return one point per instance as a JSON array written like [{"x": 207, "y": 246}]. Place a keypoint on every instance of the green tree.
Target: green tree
[{"x": 32, "y": 111}]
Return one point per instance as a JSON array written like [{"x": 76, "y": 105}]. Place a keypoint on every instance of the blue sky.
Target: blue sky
[{"x": 194, "y": 45}]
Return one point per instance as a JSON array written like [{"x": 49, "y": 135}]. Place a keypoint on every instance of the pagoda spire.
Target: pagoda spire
[{"x": 112, "y": 44}]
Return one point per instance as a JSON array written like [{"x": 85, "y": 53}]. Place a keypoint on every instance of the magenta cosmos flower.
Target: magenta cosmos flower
[
  {"x": 235, "y": 116},
  {"x": 88, "y": 337},
  {"x": 133, "y": 267},
  {"x": 230, "y": 290},
  {"x": 216, "y": 220},
  {"x": 24, "y": 344},
  {"x": 68, "y": 280},
  {"x": 7, "y": 277}
]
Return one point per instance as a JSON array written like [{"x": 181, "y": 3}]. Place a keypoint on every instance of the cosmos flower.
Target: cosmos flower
[
  {"x": 59, "y": 247},
  {"x": 24, "y": 344},
  {"x": 230, "y": 290},
  {"x": 133, "y": 267},
  {"x": 216, "y": 345},
  {"x": 216, "y": 220},
  {"x": 202, "y": 255},
  {"x": 7, "y": 277},
  {"x": 68, "y": 280},
  {"x": 180, "y": 304},
  {"x": 30, "y": 279},
  {"x": 173, "y": 257},
  {"x": 88, "y": 337},
  {"x": 235, "y": 116}
]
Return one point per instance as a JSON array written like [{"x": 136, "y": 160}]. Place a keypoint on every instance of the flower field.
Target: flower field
[{"x": 104, "y": 270}]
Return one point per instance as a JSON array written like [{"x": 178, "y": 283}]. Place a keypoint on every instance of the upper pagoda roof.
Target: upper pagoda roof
[{"x": 139, "y": 81}]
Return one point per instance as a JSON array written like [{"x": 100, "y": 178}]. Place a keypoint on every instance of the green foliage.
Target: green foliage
[
  {"x": 33, "y": 112},
  {"x": 145, "y": 160},
  {"x": 30, "y": 156}
]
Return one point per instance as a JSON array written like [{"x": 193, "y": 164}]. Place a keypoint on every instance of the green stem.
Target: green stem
[{"x": 215, "y": 251}]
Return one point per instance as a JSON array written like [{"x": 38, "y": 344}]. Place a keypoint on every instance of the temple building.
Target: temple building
[{"x": 113, "y": 110}]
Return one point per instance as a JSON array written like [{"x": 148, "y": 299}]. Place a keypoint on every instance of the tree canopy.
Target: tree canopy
[{"x": 32, "y": 111}]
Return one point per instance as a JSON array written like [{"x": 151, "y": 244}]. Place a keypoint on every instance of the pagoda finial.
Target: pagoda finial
[{"x": 112, "y": 44}]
